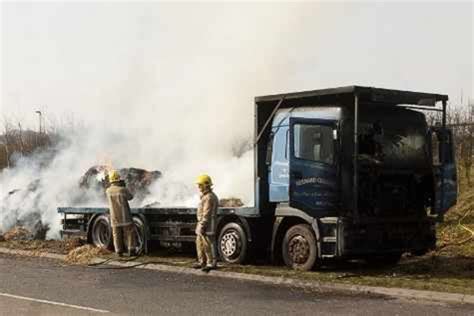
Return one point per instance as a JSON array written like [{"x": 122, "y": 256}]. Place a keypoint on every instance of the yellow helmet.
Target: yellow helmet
[
  {"x": 204, "y": 179},
  {"x": 114, "y": 176}
]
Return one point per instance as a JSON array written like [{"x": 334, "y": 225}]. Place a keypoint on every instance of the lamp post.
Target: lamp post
[
  {"x": 39, "y": 128},
  {"x": 39, "y": 121}
]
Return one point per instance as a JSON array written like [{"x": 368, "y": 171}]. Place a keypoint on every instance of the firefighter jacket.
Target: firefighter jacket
[
  {"x": 207, "y": 214},
  {"x": 118, "y": 197}
]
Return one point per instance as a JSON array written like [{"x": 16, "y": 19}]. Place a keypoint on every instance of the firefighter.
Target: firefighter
[
  {"x": 120, "y": 217},
  {"x": 206, "y": 225}
]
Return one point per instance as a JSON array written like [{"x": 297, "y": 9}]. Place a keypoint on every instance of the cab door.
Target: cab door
[
  {"x": 313, "y": 185},
  {"x": 444, "y": 170}
]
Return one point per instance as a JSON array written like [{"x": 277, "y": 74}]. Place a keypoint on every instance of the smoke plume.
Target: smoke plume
[{"x": 170, "y": 87}]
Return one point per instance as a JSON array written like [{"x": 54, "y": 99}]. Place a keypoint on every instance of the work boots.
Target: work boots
[
  {"x": 130, "y": 253},
  {"x": 197, "y": 265}
]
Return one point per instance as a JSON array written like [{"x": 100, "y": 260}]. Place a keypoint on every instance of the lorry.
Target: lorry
[{"x": 342, "y": 173}]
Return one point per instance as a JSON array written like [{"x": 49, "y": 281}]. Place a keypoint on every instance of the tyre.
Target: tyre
[
  {"x": 101, "y": 232},
  {"x": 299, "y": 249},
  {"x": 232, "y": 243},
  {"x": 139, "y": 232}
]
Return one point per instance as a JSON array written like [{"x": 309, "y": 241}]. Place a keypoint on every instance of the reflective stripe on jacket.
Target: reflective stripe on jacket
[
  {"x": 207, "y": 212},
  {"x": 118, "y": 197}
]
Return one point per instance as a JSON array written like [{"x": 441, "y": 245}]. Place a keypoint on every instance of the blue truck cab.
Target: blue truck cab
[
  {"x": 353, "y": 172},
  {"x": 313, "y": 141},
  {"x": 350, "y": 172}
]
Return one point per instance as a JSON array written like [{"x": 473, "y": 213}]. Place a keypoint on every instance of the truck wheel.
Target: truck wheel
[
  {"x": 101, "y": 232},
  {"x": 232, "y": 243},
  {"x": 139, "y": 231},
  {"x": 299, "y": 248}
]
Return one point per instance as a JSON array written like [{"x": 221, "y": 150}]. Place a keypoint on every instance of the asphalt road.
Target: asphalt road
[{"x": 35, "y": 286}]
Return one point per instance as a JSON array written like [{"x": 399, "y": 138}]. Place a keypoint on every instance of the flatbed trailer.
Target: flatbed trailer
[{"x": 170, "y": 226}]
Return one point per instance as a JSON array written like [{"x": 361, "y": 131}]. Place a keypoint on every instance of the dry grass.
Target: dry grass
[
  {"x": 52, "y": 246},
  {"x": 455, "y": 235},
  {"x": 84, "y": 254},
  {"x": 18, "y": 233}
]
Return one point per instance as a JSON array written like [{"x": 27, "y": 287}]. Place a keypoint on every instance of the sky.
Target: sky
[{"x": 170, "y": 86}]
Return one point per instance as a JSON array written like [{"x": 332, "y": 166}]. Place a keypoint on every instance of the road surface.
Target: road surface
[{"x": 35, "y": 286}]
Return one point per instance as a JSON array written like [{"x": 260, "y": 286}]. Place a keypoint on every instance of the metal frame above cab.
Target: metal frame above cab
[{"x": 365, "y": 94}]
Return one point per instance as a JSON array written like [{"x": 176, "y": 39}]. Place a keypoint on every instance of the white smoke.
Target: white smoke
[
  {"x": 176, "y": 100},
  {"x": 38, "y": 185},
  {"x": 170, "y": 87}
]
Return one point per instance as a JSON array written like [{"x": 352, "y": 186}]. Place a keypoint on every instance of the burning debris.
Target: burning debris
[
  {"x": 231, "y": 202},
  {"x": 24, "y": 220},
  {"x": 137, "y": 180},
  {"x": 18, "y": 233},
  {"x": 94, "y": 178},
  {"x": 29, "y": 227}
]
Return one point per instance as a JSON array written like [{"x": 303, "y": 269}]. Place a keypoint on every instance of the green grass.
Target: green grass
[{"x": 434, "y": 272}]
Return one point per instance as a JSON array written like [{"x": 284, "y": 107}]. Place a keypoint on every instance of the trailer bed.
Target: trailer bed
[{"x": 240, "y": 211}]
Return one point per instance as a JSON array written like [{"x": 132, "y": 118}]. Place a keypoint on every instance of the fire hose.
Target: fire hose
[{"x": 99, "y": 265}]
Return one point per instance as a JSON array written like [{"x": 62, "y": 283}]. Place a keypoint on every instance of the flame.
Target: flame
[
  {"x": 105, "y": 162},
  {"x": 105, "y": 166}
]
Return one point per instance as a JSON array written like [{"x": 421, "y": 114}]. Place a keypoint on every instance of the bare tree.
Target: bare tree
[
  {"x": 461, "y": 121},
  {"x": 7, "y": 140}
]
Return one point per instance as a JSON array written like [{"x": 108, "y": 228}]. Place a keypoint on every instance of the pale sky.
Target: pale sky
[
  {"x": 170, "y": 87},
  {"x": 128, "y": 63}
]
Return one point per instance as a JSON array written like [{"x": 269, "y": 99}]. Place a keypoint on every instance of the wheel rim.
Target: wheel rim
[
  {"x": 230, "y": 244},
  {"x": 298, "y": 249},
  {"x": 101, "y": 233}
]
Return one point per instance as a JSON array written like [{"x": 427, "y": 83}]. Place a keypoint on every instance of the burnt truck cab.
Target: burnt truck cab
[{"x": 355, "y": 170}]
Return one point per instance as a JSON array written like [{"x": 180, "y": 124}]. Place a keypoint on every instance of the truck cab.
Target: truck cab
[{"x": 349, "y": 173}]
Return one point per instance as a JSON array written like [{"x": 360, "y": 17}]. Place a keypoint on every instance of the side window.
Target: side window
[{"x": 314, "y": 142}]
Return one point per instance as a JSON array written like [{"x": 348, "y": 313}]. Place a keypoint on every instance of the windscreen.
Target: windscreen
[{"x": 396, "y": 137}]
